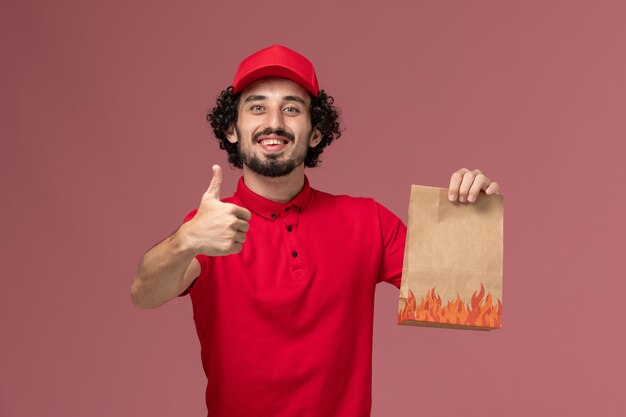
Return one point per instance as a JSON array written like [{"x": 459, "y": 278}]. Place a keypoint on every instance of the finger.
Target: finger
[
  {"x": 216, "y": 183},
  {"x": 480, "y": 182},
  {"x": 231, "y": 246},
  {"x": 466, "y": 183},
  {"x": 242, "y": 226},
  {"x": 493, "y": 188},
  {"x": 240, "y": 212},
  {"x": 455, "y": 183},
  {"x": 240, "y": 237},
  {"x": 236, "y": 248}
]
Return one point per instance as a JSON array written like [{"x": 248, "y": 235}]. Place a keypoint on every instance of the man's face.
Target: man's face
[{"x": 273, "y": 127}]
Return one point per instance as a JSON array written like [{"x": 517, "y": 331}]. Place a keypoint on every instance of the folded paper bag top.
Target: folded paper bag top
[{"x": 452, "y": 273}]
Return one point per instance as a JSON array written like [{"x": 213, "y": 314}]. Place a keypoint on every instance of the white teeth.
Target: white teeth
[{"x": 273, "y": 142}]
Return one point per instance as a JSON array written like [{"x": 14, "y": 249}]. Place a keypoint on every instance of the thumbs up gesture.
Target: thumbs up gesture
[{"x": 218, "y": 228}]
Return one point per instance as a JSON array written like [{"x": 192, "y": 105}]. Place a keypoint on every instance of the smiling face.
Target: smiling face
[{"x": 273, "y": 128}]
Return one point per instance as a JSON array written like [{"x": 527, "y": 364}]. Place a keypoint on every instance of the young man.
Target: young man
[{"x": 282, "y": 276}]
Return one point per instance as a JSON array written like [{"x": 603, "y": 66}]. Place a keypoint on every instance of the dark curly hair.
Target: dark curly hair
[{"x": 324, "y": 117}]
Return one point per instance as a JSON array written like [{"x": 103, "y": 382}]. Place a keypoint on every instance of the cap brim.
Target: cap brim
[{"x": 273, "y": 71}]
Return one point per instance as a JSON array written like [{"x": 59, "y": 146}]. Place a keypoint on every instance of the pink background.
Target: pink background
[{"x": 105, "y": 149}]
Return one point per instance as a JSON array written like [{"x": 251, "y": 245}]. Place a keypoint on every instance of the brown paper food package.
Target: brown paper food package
[{"x": 452, "y": 274}]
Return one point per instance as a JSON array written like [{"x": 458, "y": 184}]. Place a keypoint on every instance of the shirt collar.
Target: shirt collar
[{"x": 272, "y": 209}]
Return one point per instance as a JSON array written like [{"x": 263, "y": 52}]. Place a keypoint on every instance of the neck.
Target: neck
[{"x": 279, "y": 189}]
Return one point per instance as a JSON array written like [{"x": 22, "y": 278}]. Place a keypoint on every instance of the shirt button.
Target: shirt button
[
  {"x": 294, "y": 254},
  {"x": 289, "y": 228},
  {"x": 273, "y": 216}
]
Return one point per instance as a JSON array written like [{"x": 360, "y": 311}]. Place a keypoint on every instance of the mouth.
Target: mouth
[{"x": 272, "y": 144}]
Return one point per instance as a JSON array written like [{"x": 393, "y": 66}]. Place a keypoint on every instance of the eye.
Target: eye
[
  {"x": 256, "y": 108},
  {"x": 292, "y": 110}
]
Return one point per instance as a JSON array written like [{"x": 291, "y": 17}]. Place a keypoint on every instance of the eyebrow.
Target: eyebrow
[
  {"x": 294, "y": 98},
  {"x": 285, "y": 98},
  {"x": 255, "y": 98}
]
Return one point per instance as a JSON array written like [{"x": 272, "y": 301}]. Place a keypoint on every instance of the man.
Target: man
[{"x": 282, "y": 276}]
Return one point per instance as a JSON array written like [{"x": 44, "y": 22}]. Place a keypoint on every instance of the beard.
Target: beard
[{"x": 271, "y": 166}]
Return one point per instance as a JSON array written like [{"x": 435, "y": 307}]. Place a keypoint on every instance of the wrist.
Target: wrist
[{"x": 182, "y": 241}]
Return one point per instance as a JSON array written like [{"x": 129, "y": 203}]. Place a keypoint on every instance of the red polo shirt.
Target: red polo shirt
[{"x": 285, "y": 326}]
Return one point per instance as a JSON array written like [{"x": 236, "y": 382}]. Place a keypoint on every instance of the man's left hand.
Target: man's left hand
[{"x": 465, "y": 185}]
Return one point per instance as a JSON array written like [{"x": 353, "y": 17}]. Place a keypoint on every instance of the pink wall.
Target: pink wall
[{"x": 104, "y": 150}]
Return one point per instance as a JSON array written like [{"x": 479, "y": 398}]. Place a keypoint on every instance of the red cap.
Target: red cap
[{"x": 276, "y": 61}]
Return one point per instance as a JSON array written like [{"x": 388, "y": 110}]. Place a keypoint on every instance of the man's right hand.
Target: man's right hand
[{"x": 218, "y": 228}]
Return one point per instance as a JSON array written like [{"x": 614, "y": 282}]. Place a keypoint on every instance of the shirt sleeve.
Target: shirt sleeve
[
  {"x": 393, "y": 233},
  {"x": 202, "y": 259}
]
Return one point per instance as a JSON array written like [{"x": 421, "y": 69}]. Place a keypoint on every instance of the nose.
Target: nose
[{"x": 276, "y": 118}]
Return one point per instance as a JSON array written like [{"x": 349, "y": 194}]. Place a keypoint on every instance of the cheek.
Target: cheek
[{"x": 241, "y": 133}]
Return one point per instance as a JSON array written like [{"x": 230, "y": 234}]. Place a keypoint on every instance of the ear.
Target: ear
[
  {"x": 316, "y": 138},
  {"x": 231, "y": 135}
]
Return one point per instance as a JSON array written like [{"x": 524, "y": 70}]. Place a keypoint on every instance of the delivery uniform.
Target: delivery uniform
[{"x": 285, "y": 326}]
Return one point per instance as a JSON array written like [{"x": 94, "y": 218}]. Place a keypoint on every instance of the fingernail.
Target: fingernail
[
  {"x": 451, "y": 197},
  {"x": 462, "y": 199},
  {"x": 471, "y": 198}
]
